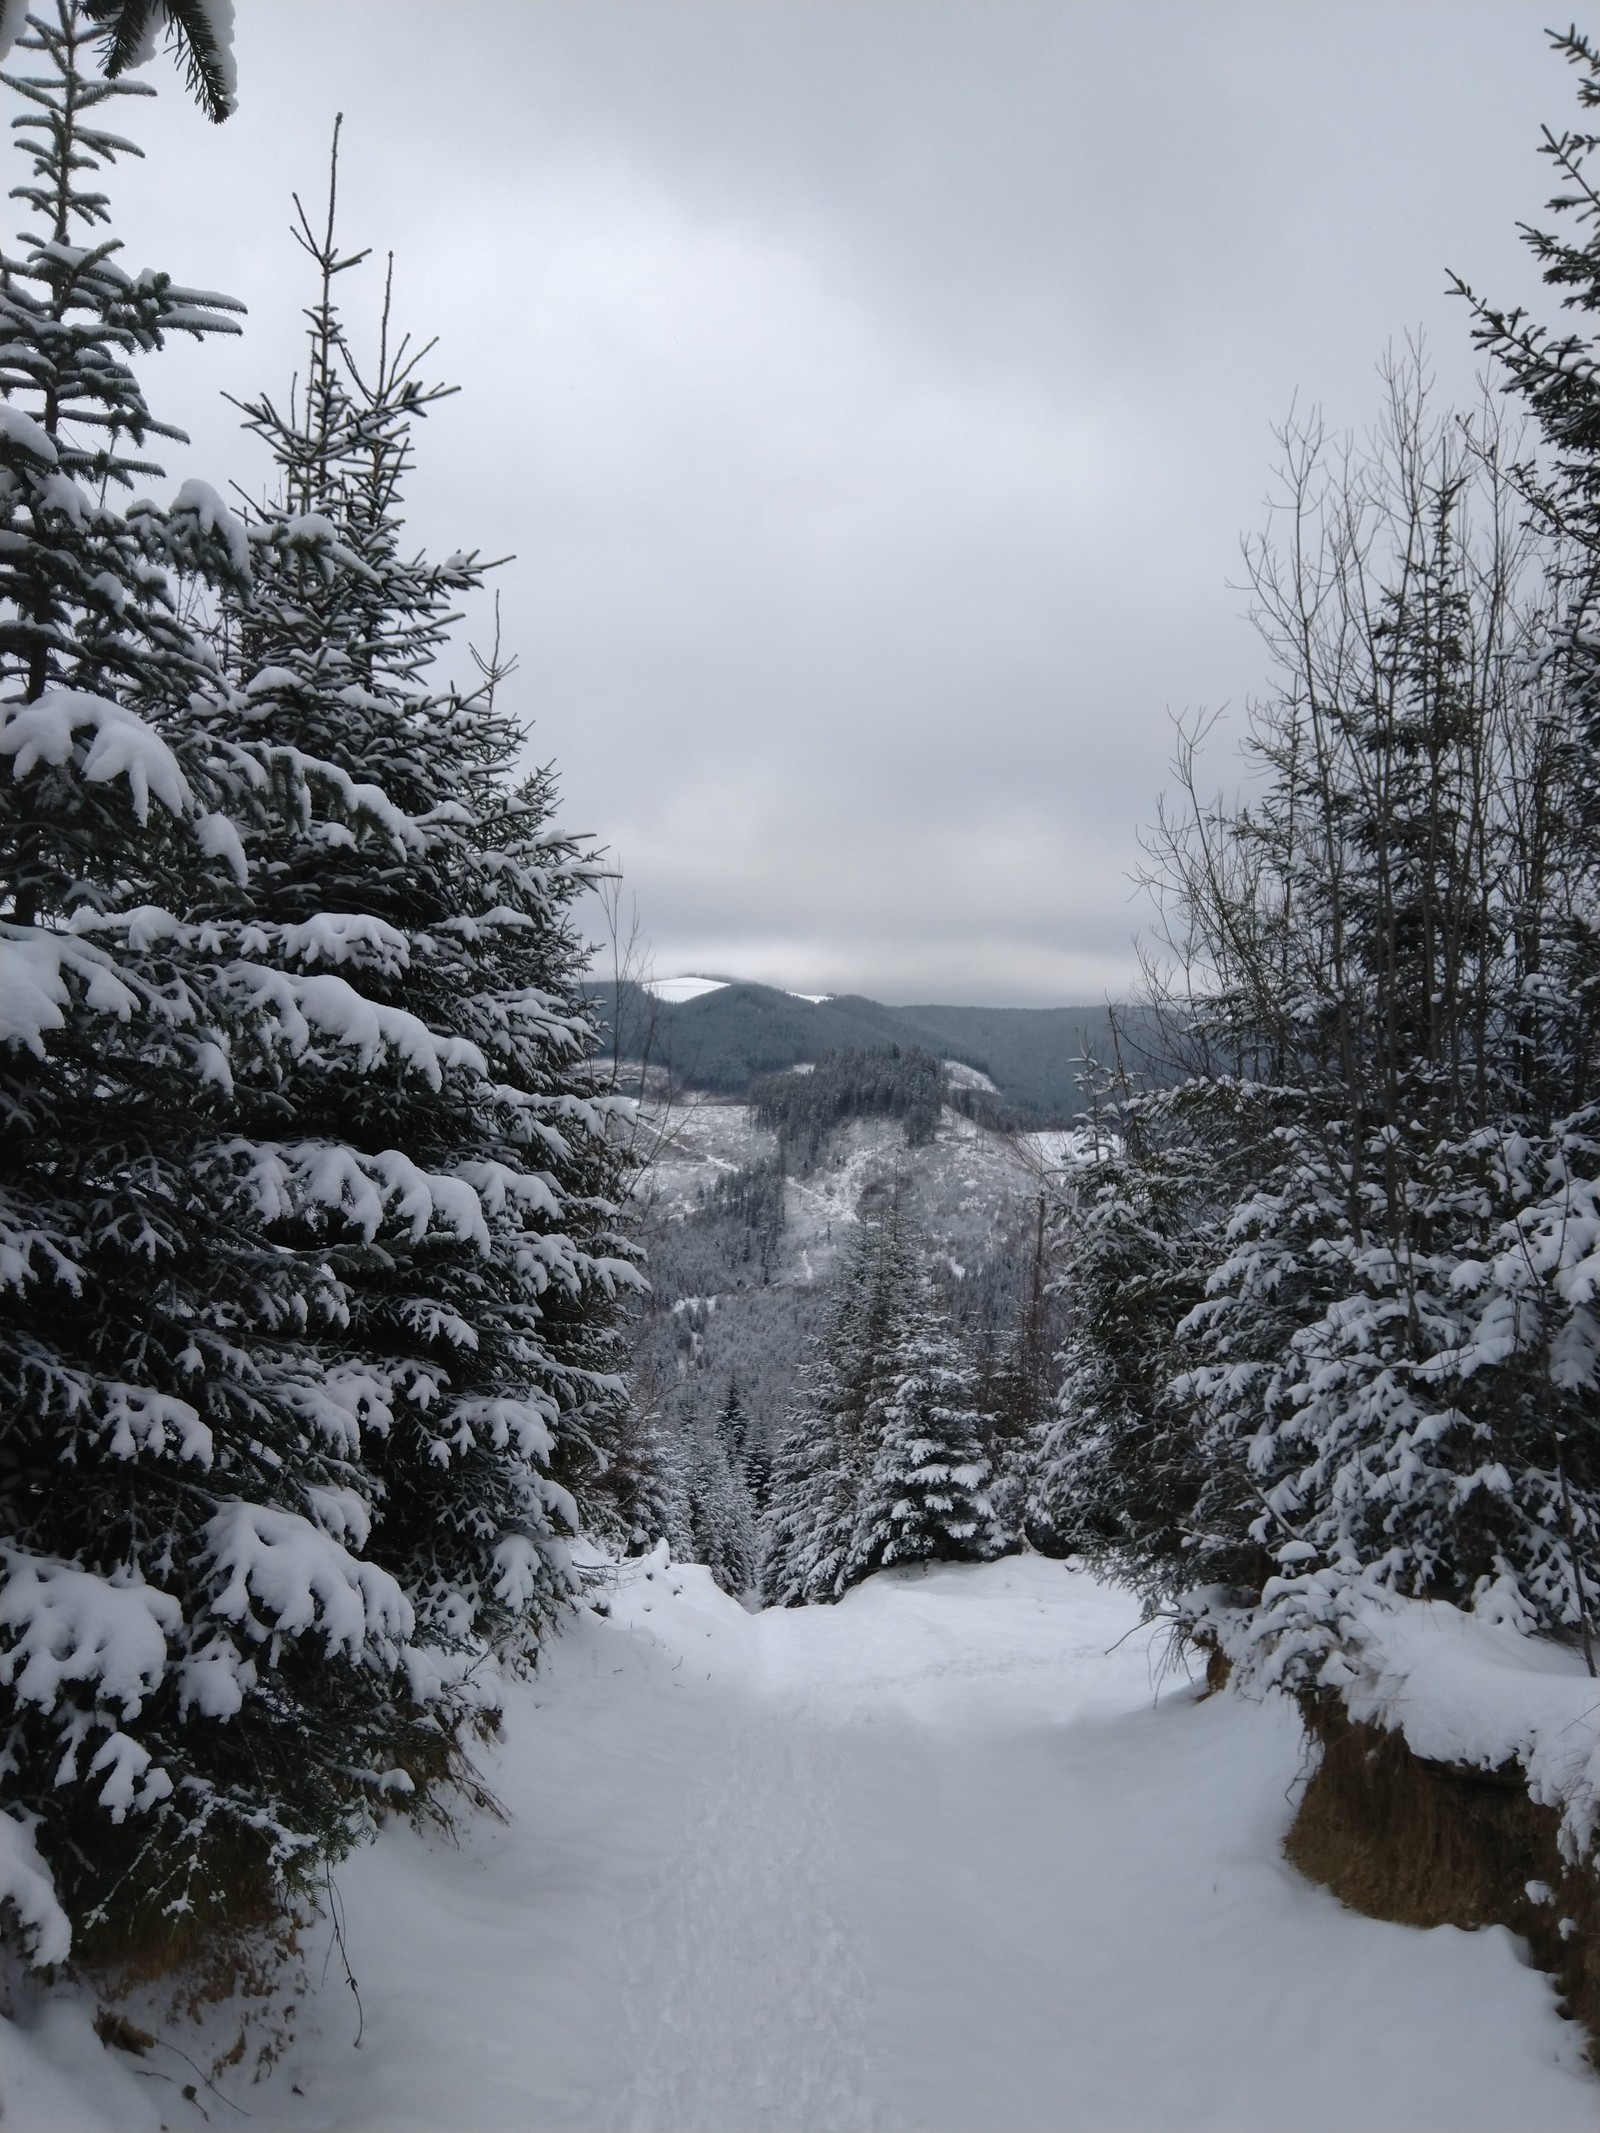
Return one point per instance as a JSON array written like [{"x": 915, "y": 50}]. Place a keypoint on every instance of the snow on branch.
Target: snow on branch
[
  {"x": 345, "y": 1398},
  {"x": 333, "y": 937},
  {"x": 122, "y": 746},
  {"x": 27, "y": 1252},
  {"x": 306, "y": 772},
  {"x": 304, "y": 1579},
  {"x": 527, "y": 1424},
  {"x": 524, "y": 1569},
  {"x": 26, "y": 1885},
  {"x": 498, "y": 1186},
  {"x": 334, "y": 1009},
  {"x": 35, "y": 964},
  {"x": 366, "y": 1190},
  {"x": 139, "y": 1419},
  {"x": 198, "y": 500},
  {"x": 71, "y": 1626}
]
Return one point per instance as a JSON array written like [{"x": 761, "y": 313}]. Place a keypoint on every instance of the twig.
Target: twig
[
  {"x": 206, "y": 2078},
  {"x": 336, "y": 1915}
]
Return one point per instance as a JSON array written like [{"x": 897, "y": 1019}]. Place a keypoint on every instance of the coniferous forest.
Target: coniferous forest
[{"x": 428, "y": 1419}]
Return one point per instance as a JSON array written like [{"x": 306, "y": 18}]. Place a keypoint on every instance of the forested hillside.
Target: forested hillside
[
  {"x": 721, "y": 1040},
  {"x": 764, "y": 1225}
]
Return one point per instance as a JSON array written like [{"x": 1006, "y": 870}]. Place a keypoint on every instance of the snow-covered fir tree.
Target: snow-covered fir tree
[
  {"x": 176, "y": 1752},
  {"x": 1539, "y": 1318},
  {"x": 827, "y": 1445},
  {"x": 746, "y": 1446},
  {"x": 1306, "y": 1330},
  {"x": 814, "y": 1540},
  {"x": 721, "y": 1515},
  {"x": 1015, "y": 1385},
  {"x": 632, "y": 1503},
  {"x": 308, "y": 1250},
  {"x": 465, "y": 1191},
  {"x": 925, "y": 1498},
  {"x": 1119, "y": 1465}
]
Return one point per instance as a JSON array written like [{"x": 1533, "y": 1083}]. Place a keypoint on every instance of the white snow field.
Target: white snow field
[{"x": 948, "y": 1855}]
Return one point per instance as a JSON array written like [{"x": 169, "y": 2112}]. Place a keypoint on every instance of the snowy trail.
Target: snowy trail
[{"x": 930, "y": 1859}]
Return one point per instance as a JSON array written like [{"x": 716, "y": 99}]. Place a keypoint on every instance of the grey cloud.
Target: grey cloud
[{"x": 873, "y": 396}]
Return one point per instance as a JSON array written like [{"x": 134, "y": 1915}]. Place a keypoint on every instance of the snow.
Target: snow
[
  {"x": 1466, "y": 1690},
  {"x": 140, "y": 1418},
  {"x": 335, "y": 937},
  {"x": 218, "y": 15},
  {"x": 304, "y": 1577},
  {"x": 123, "y": 746},
  {"x": 676, "y": 990},
  {"x": 66, "y": 1625},
  {"x": 948, "y": 1855},
  {"x": 1461, "y": 1687},
  {"x": 25, "y": 1885},
  {"x": 961, "y": 1076},
  {"x": 1069, "y": 1147},
  {"x": 197, "y": 499},
  {"x": 219, "y": 838},
  {"x": 33, "y": 986},
  {"x": 337, "y": 1011},
  {"x": 16, "y": 428}
]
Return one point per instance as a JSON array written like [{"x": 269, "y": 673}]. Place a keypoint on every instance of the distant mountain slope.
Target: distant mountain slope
[
  {"x": 1033, "y": 1055},
  {"x": 721, "y": 1040}
]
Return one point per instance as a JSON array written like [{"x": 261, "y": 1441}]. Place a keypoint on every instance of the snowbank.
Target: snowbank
[{"x": 1464, "y": 1688}]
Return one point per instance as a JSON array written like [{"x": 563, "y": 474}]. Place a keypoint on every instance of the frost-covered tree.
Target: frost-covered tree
[
  {"x": 721, "y": 1514},
  {"x": 443, "y": 1142},
  {"x": 925, "y": 1498},
  {"x": 196, "y": 1674},
  {"x": 306, "y": 1208},
  {"x": 812, "y": 1529},
  {"x": 1305, "y": 1331}
]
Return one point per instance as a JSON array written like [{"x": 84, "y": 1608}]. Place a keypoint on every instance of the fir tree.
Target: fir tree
[
  {"x": 464, "y": 1191},
  {"x": 746, "y": 1447},
  {"x": 201, "y": 36},
  {"x": 925, "y": 1499},
  {"x": 1015, "y": 1382},
  {"x": 733, "y": 1426},
  {"x": 722, "y": 1517},
  {"x": 1120, "y": 1464},
  {"x": 201, "y": 33},
  {"x": 179, "y": 1752},
  {"x": 1321, "y": 1313},
  {"x": 812, "y": 1529},
  {"x": 309, "y": 1262},
  {"x": 630, "y": 1503}
]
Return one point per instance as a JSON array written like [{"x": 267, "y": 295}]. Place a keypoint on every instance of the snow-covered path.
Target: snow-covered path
[{"x": 933, "y": 1858}]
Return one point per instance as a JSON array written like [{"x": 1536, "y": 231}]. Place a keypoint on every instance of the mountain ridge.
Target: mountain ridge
[{"x": 720, "y": 1040}]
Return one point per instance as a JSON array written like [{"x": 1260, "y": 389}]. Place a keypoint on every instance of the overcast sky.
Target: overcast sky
[{"x": 873, "y": 395}]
